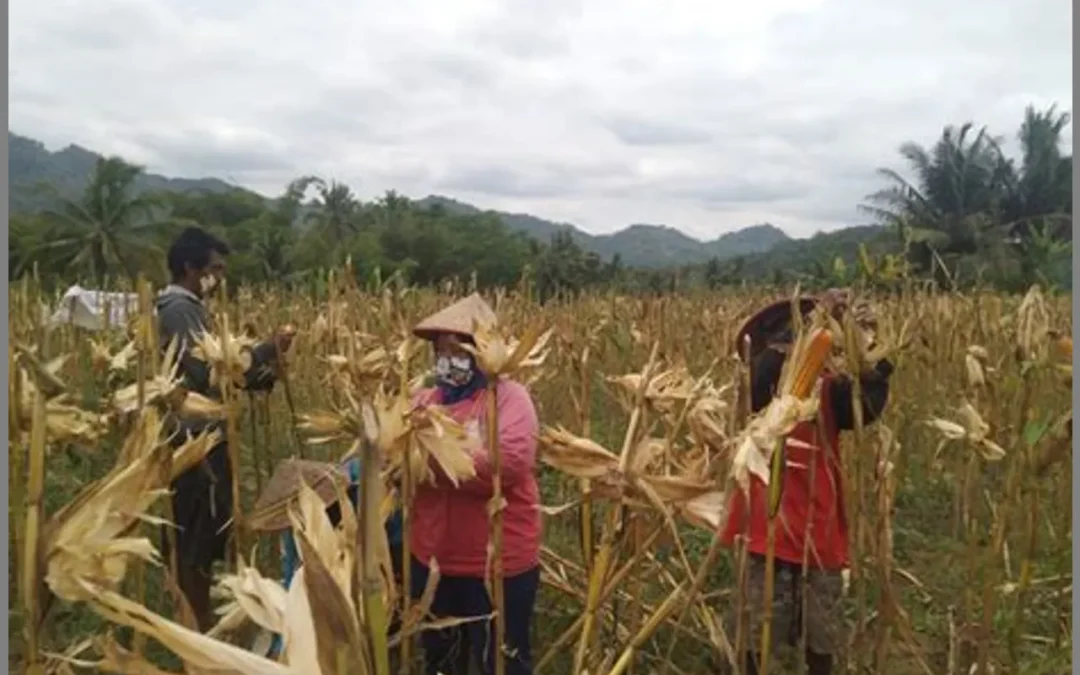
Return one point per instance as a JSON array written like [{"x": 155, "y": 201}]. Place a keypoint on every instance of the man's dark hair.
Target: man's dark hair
[{"x": 192, "y": 249}]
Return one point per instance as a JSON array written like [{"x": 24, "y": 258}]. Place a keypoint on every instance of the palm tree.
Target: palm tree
[
  {"x": 390, "y": 210},
  {"x": 109, "y": 230},
  {"x": 337, "y": 211},
  {"x": 1041, "y": 190},
  {"x": 957, "y": 180}
]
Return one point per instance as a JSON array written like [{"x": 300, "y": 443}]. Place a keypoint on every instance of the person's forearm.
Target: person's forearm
[{"x": 875, "y": 394}]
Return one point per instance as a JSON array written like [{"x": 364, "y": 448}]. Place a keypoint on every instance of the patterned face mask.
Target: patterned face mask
[{"x": 455, "y": 371}]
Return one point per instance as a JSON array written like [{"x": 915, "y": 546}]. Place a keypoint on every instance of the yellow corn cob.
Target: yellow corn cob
[{"x": 812, "y": 363}]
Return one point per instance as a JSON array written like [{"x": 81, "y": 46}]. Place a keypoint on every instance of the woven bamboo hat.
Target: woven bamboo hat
[
  {"x": 768, "y": 321},
  {"x": 458, "y": 318},
  {"x": 271, "y": 512}
]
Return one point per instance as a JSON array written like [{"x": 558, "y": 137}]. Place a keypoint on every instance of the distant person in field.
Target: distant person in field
[
  {"x": 202, "y": 497},
  {"x": 812, "y": 520},
  {"x": 451, "y": 524}
]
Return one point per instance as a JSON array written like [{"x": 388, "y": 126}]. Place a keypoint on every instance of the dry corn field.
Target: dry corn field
[{"x": 959, "y": 497}]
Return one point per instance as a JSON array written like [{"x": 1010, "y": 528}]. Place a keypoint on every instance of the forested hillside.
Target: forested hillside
[{"x": 960, "y": 212}]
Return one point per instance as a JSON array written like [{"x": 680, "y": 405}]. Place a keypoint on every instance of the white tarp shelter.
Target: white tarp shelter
[{"x": 87, "y": 309}]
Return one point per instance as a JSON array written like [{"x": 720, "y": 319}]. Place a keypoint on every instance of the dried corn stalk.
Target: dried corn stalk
[
  {"x": 86, "y": 542},
  {"x": 64, "y": 422}
]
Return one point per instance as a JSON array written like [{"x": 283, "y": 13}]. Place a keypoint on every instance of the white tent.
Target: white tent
[{"x": 87, "y": 309}]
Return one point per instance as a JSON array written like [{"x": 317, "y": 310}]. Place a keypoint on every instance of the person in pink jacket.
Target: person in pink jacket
[{"x": 450, "y": 524}]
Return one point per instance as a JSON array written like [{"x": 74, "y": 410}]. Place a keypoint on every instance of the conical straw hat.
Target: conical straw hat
[
  {"x": 458, "y": 318},
  {"x": 768, "y": 321},
  {"x": 271, "y": 512}
]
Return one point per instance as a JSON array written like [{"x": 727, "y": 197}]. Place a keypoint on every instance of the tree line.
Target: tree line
[{"x": 962, "y": 213}]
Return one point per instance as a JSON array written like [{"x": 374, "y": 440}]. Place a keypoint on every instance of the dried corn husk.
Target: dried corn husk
[
  {"x": 975, "y": 365},
  {"x": 64, "y": 422},
  {"x": 436, "y": 436},
  {"x": 228, "y": 356},
  {"x": 501, "y": 356},
  {"x": 705, "y": 420},
  {"x": 85, "y": 541},
  {"x": 102, "y": 357},
  {"x": 166, "y": 386},
  {"x": 574, "y": 455},
  {"x": 114, "y": 659},
  {"x": 971, "y": 428},
  {"x": 326, "y": 582},
  {"x": 663, "y": 391},
  {"x": 758, "y": 440},
  {"x": 1032, "y": 325},
  {"x": 705, "y": 510},
  {"x": 198, "y": 651}
]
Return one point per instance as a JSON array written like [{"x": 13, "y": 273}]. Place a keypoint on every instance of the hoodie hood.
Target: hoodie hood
[{"x": 174, "y": 293}]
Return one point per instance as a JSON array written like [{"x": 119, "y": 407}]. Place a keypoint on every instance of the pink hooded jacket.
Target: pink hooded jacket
[{"x": 450, "y": 523}]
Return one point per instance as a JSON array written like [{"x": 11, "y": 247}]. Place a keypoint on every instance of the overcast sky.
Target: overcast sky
[{"x": 706, "y": 115}]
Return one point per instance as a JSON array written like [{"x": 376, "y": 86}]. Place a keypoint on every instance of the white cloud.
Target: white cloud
[{"x": 707, "y": 116}]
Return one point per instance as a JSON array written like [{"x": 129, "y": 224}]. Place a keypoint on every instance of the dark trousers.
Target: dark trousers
[
  {"x": 448, "y": 651},
  {"x": 202, "y": 508}
]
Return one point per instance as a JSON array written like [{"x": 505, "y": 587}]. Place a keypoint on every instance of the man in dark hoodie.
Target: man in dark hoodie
[{"x": 202, "y": 497}]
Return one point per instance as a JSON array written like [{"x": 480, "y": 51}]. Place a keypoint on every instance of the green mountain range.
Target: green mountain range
[
  {"x": 637, "y": 245},
  {"x": 652, "y": 246},
  {"x": 30, "y": 164}
]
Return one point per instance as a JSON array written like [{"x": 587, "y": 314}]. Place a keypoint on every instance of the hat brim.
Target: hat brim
[
  {"x": 432, "y": 334},
  {"x": 459, "y": 318},
  {"x": 768, "y": 321},
  {"x": 270, "y": 512}
]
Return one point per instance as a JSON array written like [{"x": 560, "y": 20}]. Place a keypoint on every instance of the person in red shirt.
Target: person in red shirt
[
  {"x": 811, "y": 526},
  {"x": 450, "y": 524}
]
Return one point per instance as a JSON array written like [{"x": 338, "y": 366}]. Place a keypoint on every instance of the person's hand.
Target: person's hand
[{"x": 283, "y": 338}]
